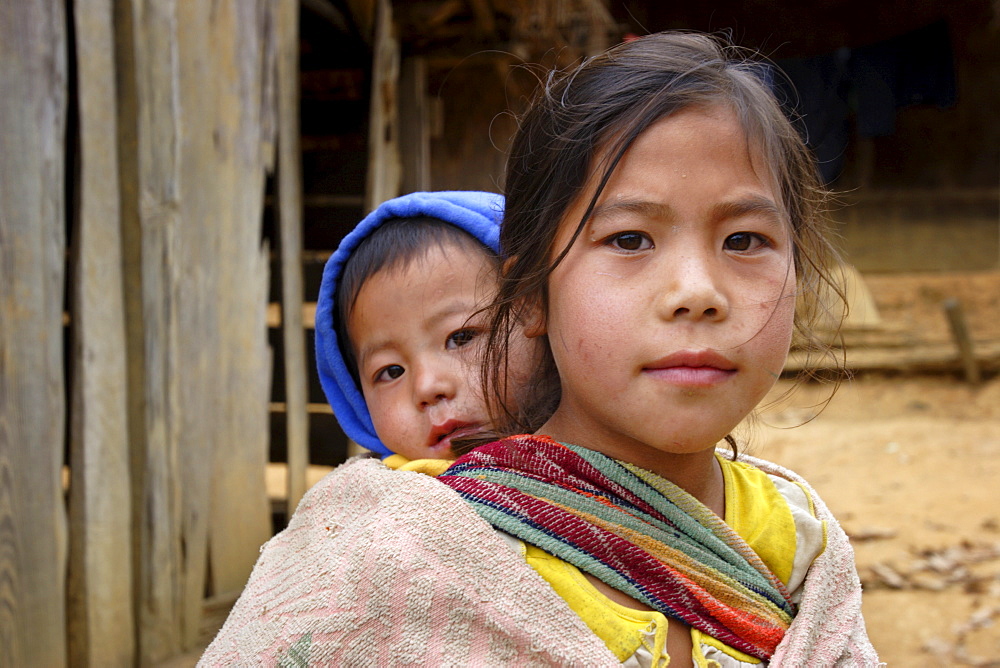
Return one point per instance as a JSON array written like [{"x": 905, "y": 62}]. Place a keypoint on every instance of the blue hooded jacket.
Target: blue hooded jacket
[{"x": 478, "y": 213}]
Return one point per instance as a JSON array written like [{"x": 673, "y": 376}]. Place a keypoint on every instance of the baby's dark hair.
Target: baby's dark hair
[
  {"x": 598, "y": 108},
  {"x": 393, "y": 245}
]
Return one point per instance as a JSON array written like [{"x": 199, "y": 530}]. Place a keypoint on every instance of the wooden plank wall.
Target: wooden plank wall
[
  {"x": 32, "y": 266},
  {"x": 173, "y": 134}
]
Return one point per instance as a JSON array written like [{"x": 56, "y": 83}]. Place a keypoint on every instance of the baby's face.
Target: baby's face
[{"x": 418, "y": 353}]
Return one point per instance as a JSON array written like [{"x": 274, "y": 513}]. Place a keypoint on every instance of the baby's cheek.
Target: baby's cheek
[{"x": 384, "y": 417}]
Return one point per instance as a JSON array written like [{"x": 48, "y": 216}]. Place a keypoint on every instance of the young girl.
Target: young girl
[
  {"x": 662, "y": 219},
  {"x": 662, "y": 222}
]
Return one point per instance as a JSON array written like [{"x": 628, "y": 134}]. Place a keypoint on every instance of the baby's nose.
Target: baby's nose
[{"x": 434, "y": 384}]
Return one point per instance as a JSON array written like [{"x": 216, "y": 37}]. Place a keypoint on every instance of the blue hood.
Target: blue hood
[{"x": 478, "y": 213}]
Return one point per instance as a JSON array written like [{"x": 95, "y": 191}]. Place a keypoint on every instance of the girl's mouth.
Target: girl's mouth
[{"x": 692, "y": 368}]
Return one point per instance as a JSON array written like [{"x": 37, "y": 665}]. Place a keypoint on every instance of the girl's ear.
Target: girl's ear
[
  {"x": 530, "y": 314},
  {"x": 532, "y": 319}
]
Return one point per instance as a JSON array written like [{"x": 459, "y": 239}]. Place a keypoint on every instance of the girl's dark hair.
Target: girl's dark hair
[
  {"x": 600, "y": 107},
  {"x": 394, "y": 244}
]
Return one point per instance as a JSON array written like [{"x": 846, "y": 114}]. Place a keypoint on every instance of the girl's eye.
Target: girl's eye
[
  {"x": 391, "y": 372},
  {"x": 630, "y": 241},
  {"x": 462, "y": 337},
  {"x": 744, "y": 241}
]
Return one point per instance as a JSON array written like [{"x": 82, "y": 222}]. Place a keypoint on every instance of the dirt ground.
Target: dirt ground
[{"x": 910, "y": 464}]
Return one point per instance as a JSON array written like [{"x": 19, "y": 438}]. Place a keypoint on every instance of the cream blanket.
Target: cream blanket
[{"x": 380, "y": 567}]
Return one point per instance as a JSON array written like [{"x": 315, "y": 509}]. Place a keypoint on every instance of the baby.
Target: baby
[
  {"x": 398, "y": 353},
  {"x": 397, "y": 336}
]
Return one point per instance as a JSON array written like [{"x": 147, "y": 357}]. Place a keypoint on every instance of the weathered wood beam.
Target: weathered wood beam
[
  {"x": 414, "y": 126},
  {"x": 32, "y": 405},
  {"x": 290, "y": 249},
  {"x": 239, "y": 45},
  {"x": 929, "y": 357},
  {"x": 963, "y": 341},
  {"x": 101, "y": 615},
  {"x": 203, "y": 191},
  {"x": 383, "y": 140},
  {"x": 149, "y": 167}
]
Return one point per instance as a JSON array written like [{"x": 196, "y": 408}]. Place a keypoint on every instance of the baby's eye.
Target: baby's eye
[
  {"x": 744, "y": 241},
  {"x": 462, "y": 337},
  {"x": 391, "y": 372},
  {"x": 630, "y": 241}
]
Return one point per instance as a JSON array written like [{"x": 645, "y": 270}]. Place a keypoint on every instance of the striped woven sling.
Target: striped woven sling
[{"x": 632, "y": 529}]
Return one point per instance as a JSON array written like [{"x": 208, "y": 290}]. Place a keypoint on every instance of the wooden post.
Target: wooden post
[
  {"x": 32, "y": 261},
  {"x": 101, "y": 624},
  {"x": 414, "y": 126},
  {"x": 201, "y": 253},
  {"x": 960, "y": 332},
  {"x": 290, "y": 247},
  {"x": 383, "y": 139},
  {"x": 149, "y": 161},
  {"x": 238, "y": 40}
]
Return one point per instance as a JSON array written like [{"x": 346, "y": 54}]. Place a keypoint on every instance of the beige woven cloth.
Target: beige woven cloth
[{"x": 380, "y": 567}]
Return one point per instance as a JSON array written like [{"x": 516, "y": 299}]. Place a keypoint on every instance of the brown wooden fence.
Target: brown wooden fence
[{"x": 135, "y": 138}]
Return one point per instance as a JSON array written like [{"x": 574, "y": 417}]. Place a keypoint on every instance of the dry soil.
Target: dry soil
[{"x": 910, "y": 464}]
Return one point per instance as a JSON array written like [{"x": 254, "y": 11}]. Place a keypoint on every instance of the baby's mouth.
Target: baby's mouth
[{"x": 442, "y": 435}]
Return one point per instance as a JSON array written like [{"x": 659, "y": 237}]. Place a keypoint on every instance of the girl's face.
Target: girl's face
[{"x": 671, "y": 316}]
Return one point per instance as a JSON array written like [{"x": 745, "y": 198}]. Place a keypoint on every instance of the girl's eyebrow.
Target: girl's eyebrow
[
  {"x": 659, "y": 210},
  {"x": 751, "y": 204}
]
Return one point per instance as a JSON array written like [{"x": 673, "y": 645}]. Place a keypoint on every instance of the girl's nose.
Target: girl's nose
[
  {"x": 435, "y": 381},
  {"x": 693, "y": 291}
]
